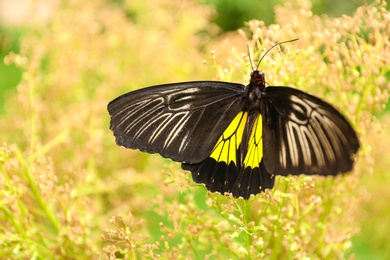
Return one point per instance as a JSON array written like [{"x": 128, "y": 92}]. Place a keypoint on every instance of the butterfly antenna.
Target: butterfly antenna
[
  {"x": 249, "y": 56},
  {"x": 280, "y": 43}
]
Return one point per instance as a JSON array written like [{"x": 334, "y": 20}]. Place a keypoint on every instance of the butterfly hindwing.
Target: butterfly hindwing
[
  {"x": 226, "y": 148},
  {"x": 235, "y": 163},
  {"x": 182, "y": 121},
  {"x": 252, "y": 181},
  {"x": 253, "y": 154},
  {"x": 222, "y": 177},
  {"x": 303, "y": 134},
  {"x": 220, "y": 170}
]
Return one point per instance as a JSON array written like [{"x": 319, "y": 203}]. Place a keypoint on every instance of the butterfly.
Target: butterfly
[{"x": 235, "y": 138}]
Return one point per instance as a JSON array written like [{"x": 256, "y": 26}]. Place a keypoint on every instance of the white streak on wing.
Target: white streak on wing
[
  {"x": 318, "y": 153},
  {"x": 188, "y": 135},
  {"x": 305, "y": 145},
  {"x": 318, "y": 128},
  {"x": 293, "y": 143},
  {"x": 289, "y": 139},
  {"x": 185, "y": 106},
  {"x": 337, "y": 137},
  {"x": 139, "y": 118},
  {"x": 177, "y": 129},
  {"x": 147, "y": 124},
  {"x": 342, "y": 136},
  {"x": 124, "y": 119},
  {"x": 298, "y": 109},
  {"x": 162, "y": 126},
  {"x": 189, "y": 91},
  {"x": 282, "y": 154},
  {"x": 185, "y": 97},
  {"x": 330, "y": 135},
  {"x": 333, "y": 148}
]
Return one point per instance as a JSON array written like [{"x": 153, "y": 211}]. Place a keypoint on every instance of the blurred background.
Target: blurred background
[
  {"x": 17, "y": 16},
  {"x": 19, "y": 19}
]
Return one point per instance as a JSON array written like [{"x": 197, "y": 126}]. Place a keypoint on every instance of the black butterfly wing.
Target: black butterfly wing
[
  {"x": 181, "y": 121},
  {"x": 239, "y": 181},
  {"x": 303, "y": 134},
  {"x": 235, "y": 164}
]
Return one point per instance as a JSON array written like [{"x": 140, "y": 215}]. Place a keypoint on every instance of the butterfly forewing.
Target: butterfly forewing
[
  {"x": 304, "y": 134},
  {"x": 182, "y": 121}
]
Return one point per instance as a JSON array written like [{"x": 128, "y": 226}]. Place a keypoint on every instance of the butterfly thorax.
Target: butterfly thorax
[{"x": 255, "y": 90}]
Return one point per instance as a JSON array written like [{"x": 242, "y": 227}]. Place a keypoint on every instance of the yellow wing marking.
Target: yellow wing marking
[
  {"x": 226, "y": 148},
  {"x": 255, "y": 145}
]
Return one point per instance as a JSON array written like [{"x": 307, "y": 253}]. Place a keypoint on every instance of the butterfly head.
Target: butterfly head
[{"x": 258, "y": 79}]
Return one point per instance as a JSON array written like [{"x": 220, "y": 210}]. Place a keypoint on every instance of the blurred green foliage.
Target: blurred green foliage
[
  {"x": 68, "y": 192},
  {"x": 9, "y": 74},
  {"x": 231, "y": 15}
]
